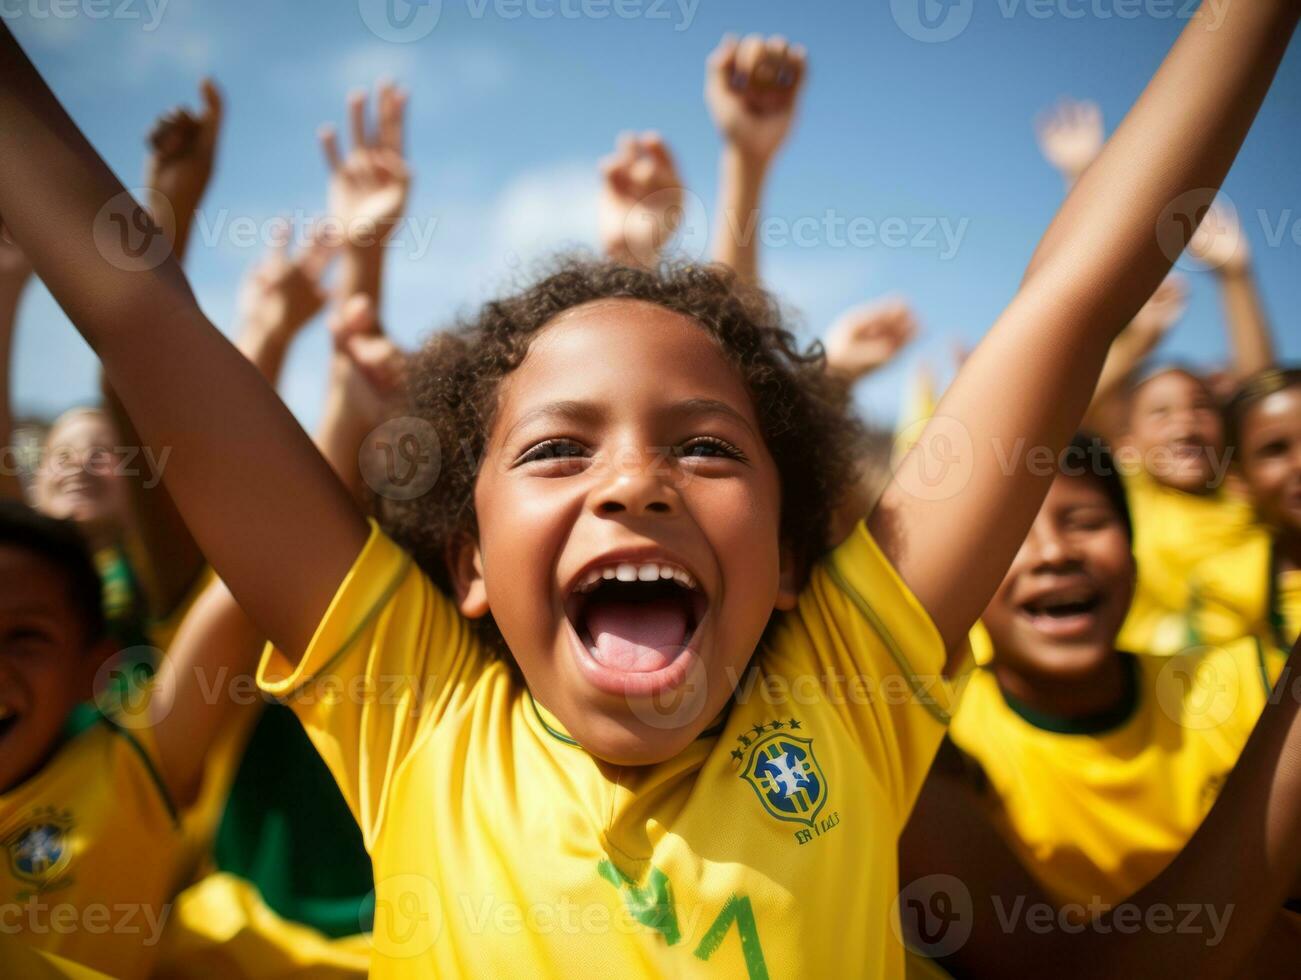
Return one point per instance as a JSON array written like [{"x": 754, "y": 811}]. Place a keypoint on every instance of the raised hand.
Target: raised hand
[
  {"x": 369, "y": 186},
  {"x": 377, "y": 359},
  {"x": 868, "y": 336},
  {"x": 283, "y": 291},
  {"x": 1219, "y": 243},
  {"x": 751, "y": 87},
  {"x": 183, "y": 146},
  {"x": 1070, "y": 136},
  {"x": 280, "y": 294},
  {"x": 641, "y": 199}
]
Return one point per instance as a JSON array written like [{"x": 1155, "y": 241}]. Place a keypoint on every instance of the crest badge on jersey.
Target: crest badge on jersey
[
  {"x": 40, "y": 851},
  {"x": 785, "y": 774}
]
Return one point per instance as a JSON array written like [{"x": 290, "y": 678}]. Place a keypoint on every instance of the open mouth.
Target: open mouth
[
  {"x": 8, "y": 718},
  {"x": 1064, "y": 614},
  {"x": 635, "y": 623}
]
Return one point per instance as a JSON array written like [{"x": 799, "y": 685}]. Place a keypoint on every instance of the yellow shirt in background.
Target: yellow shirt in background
[
  {"x": 1237, "y": 594},
  {"x": 1174, "y": 532},
  {"x": 767, "y": 848},
  {"x": 91, "y": 852},
  {"x": 1095, "y": 815}
]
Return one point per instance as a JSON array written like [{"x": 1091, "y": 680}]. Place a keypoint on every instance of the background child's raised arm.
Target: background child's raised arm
[
  {"x": 965, "y": 496},
  {"x": 263, "y": 505},
  {"x": 15, "y": 271},
  {"x": 1221, "y": 245},
  {"x": 751, "y": 87}
]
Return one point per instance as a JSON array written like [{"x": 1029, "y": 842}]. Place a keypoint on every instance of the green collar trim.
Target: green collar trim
[{"x": 1096, "y": 724}]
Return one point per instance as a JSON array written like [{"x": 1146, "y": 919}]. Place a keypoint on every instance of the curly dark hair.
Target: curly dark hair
[{"x": 803, "y": 414}]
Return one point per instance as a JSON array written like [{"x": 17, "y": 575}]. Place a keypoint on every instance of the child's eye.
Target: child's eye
[
  {"x": 708, "y": 447},
  {"x": 551, "y": 449}
]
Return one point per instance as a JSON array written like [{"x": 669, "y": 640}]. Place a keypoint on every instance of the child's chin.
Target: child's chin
[{"x": 634, "y": 749}]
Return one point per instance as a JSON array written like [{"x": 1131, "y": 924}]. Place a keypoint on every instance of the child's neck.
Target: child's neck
[
  {"x": 1101, "y": 691},
  {"x": 1287, "y": 550}
]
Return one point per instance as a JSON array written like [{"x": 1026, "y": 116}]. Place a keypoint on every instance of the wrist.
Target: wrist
[
  {"x": 1238, "y": 268},
  {"x": 745, "y": 163}
]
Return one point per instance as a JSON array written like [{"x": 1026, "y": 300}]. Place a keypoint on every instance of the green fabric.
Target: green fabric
[{"x": 288, "y": 830}]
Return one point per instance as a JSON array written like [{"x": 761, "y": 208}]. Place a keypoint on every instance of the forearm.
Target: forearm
[
  {"x": 248, "y": 480},
  {"x": 343, "y": 429},
  {"x": 736, "y": 229},
  {"x": 169, "y": 559},
  {"x": 265, "y": 347},
  {"x": 1124, "y": 357},
  {"x": 203, "y": 685},
  {"x": 1181, "y": 135},
  {"x": 175, "y": 221},
  {"x": 1250, "y": 342},
  {"x": 1028, "y": 385},
  {"x": 1243, "y": 859},
  {"x": 11, "y": 487},
  {"x": 362, "y": 272}
]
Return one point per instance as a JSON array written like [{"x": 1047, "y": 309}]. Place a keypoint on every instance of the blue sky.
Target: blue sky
[{"x": 513, "y": 101}]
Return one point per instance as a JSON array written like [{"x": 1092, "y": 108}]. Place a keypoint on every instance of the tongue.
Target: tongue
[{"x": 636, "y": 636}]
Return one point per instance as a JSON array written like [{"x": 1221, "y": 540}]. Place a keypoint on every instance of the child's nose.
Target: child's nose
[{"x": 635, "y": 487}]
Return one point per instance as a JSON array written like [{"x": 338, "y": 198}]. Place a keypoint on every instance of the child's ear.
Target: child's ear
[
  {"x": 465, "y": 563},
  {"x": 787, "y": 576}
]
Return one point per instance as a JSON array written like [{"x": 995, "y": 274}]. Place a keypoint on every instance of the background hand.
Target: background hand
[
  {"x": 369, "y": 186},
  {"x": 751, "y": 87},
  {"x": 641, "y": 199}
]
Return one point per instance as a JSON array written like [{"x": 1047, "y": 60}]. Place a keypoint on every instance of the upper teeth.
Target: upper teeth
[{"x": 629, "y": 572}]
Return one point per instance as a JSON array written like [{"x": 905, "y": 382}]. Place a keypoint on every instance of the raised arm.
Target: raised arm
[
  {"x": 751, "y": 88},
  {"x": 641, "y": 199},
  {"x": 367, "y": 386},
  {"x": 183, "y": 145},
  {"x": 1106, "y": 414},
  {"x": 1221, "y": 245},
  {"x": 182, "y": 150},
  {"x": 264, "y": 507},
  {"x": 965, "y": 496},
  {"x": 1242, "y": 862},
  {"x": 15, "y": 271},
  {"x": 279, "y": 296}
]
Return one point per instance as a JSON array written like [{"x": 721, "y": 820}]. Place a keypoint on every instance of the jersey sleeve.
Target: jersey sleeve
[
  {"x": 880, "y": 660},
  {"x": 391, "y": 657}
]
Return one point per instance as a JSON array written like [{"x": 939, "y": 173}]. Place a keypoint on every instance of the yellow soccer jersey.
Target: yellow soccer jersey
[
  {"x": 222, "y": 927},
  {"x": 1174, "y": 532},
  {"x": 21, "y": 960},
  {"x": 91, "y": 851},
  {"x": 1097, "y": 809},
  {"x": 1238, "y": 594},
  {"x": 768, "y": 847}
]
